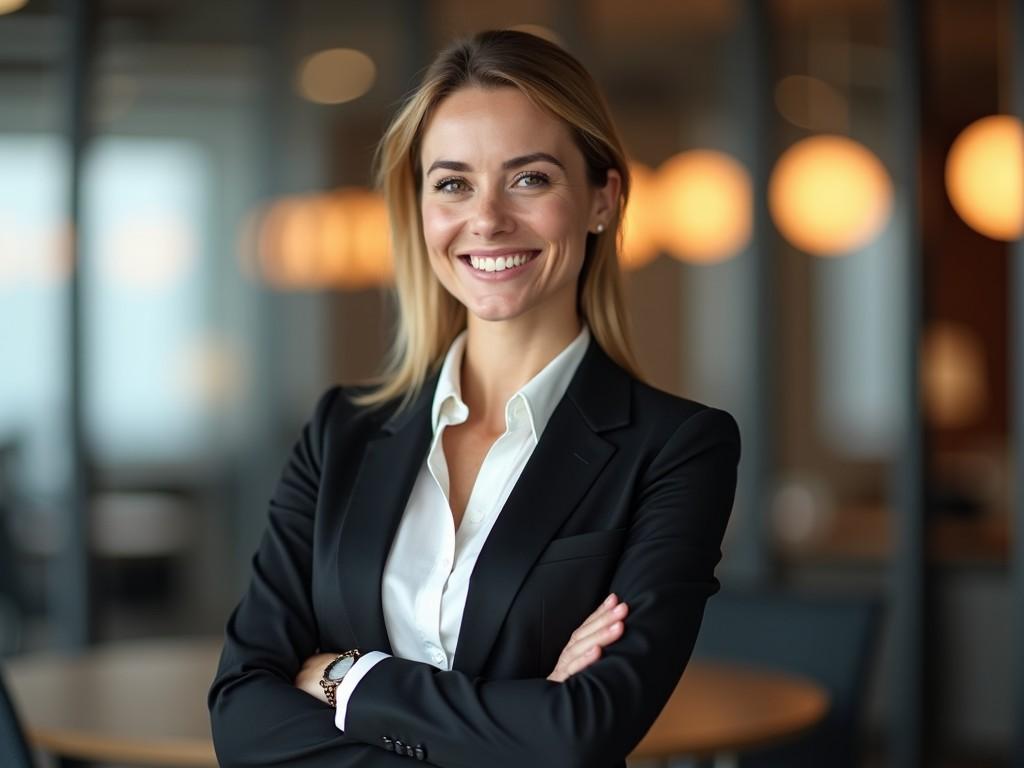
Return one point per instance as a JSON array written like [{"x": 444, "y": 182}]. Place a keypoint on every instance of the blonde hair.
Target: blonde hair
[{"x": 429, "y": 318}]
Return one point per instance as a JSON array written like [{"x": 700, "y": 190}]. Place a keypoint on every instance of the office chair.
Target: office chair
[
  {"x": 14, "y": 751},
  {"x": 830, "y": 640}
]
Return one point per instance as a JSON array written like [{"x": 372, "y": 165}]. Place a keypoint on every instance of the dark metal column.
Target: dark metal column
[
  {"x": 1017, "y": 409},
  {"x": 71, "y": 584},
  {"x": 753, "y": 546},
  {"x": 907, "y": 569},
  {"x": 262, "y": 465}
]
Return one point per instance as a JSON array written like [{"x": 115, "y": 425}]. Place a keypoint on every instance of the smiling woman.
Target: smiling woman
[
  {"x": 509, "y": 201},
  {"x": 497, "y": 554},
  {"x": 558, "y": 112}
]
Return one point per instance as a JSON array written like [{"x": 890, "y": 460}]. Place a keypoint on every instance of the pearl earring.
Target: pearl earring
[{"x": 600, "y": 228}]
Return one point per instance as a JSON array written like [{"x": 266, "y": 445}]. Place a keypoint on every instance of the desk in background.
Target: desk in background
[{"x": 145, "y": 704}]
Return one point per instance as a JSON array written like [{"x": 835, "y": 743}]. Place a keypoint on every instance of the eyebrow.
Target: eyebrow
[{"x": 515, "y": 162}]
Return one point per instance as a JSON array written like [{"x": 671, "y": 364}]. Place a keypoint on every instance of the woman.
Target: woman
[{"x": 451, "y": 554}]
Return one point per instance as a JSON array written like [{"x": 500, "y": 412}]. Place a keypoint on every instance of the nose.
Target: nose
[{"x": 491, "y": 216}]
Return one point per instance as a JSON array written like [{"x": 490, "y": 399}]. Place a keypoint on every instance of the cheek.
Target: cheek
[
  {"x": 440, "y": 225},
  {"x": 558, "y": 219}
]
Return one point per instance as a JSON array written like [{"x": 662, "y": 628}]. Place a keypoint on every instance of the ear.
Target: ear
[{"x": 605, "y": 204}]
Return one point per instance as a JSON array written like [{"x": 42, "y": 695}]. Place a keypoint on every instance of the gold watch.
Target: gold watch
[{"x": 335, "y": 672}]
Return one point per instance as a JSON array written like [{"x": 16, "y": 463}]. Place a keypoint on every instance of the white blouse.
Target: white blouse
[{"x": 426, "y": 577}]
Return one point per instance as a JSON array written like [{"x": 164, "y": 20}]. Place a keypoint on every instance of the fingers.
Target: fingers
[
  {"x": 581, "y": 662},
  {"x": 602, "y": 630},
  {"x": 580, "y": 655},
  {"x": 603, "y": 627},
  {"x": 609, "y": 604}
]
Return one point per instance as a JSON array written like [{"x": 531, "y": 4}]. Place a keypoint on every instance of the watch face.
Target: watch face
[{"x": 339, "y": 667}]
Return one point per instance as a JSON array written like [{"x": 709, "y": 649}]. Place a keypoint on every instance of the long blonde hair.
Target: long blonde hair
[{"x": 429, "y": 318}]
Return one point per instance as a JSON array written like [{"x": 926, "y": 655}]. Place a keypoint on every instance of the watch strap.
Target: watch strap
[{"x": 330, "y": 686}]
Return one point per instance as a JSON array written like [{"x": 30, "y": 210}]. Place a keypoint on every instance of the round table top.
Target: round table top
[
  {"x": 726, "y": 707},
  {"x": 145, "y": 703},
  {"x": 142, "y": 702}
]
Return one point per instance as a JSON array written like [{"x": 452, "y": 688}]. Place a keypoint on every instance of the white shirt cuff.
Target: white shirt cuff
[{"x": 348, "y": 684}]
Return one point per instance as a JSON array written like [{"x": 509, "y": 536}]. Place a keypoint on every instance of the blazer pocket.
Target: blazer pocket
[{"x": 591, "y": 544}]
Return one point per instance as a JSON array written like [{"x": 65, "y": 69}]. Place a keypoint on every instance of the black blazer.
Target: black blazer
[{"x": 629, "y": 490}]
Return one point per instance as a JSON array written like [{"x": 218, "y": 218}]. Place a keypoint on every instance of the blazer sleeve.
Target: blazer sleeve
[
  {"x": 257, "y": 716},
  {"x": 596, "y": 717}
]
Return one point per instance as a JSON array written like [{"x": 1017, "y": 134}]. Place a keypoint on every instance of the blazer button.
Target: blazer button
[
  {"x": 409, "y": 750},
  {"x": 421, "y": 753},
  {"x": 399, "y": 747},
  {"x": 388, "y": 744}
]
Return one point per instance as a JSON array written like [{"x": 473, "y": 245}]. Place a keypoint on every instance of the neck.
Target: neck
[{"x": 501, "y": 357}]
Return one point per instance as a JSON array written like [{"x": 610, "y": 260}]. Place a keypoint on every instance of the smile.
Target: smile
[{"x": 502, "y": 263}]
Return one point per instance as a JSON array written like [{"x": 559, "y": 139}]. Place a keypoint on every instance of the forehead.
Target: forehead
[{"x": 494, "y": 123}]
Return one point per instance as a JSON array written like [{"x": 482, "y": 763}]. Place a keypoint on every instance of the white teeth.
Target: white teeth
[{"x": 490, "y": 264}]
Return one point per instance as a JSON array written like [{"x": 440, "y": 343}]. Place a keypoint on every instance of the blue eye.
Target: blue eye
[{"x": 448, "y": 185}]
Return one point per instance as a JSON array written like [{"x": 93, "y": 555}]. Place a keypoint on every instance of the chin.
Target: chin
[{"x": 492, "y": 314}]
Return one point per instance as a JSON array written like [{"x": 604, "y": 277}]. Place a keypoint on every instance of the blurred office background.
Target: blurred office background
[{"x": 825, "y": 242}]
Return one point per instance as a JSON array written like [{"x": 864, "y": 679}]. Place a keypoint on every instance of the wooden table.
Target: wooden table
[
  {"x": 145, "y": 704},
  {"x": 721, "y": 709},
  {"x": 140, "y": 703}
]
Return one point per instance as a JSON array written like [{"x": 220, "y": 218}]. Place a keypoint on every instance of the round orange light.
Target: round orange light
[
  {"x": 829, "y": 195},
  {"x": 339, "y": 239},
  {"x": 10, "y": 6},
  {"x": 354, "y": 239},
  {"x": 984, "y": 176},
  {"x": 706, "y": 206},
  {"x": 640, "y": 222},
  {"x": 336, "y": 75}
]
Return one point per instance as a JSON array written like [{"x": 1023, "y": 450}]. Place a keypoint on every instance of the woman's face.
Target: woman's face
[{"x": 506, "y": 205}]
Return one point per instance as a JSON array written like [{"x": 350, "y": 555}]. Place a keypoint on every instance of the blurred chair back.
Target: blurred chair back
[
  {"x": 829, "y": 640},
  {"x": 14, "y": 751}
]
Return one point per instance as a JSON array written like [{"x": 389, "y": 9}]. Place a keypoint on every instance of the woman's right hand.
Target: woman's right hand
[{"x": 603, "y": 627}]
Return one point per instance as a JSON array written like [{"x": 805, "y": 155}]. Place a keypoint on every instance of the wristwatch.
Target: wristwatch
[{"x": 335, "y": 672}]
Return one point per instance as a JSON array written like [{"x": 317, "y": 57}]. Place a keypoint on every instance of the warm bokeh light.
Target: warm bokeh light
[
  {"x": 298, "y": 257},
  {"x": 336, "y": 75},
  {"x": 706, "y": 206},
  {"x": 10, "y": 6},
  {"x": 829, "y": 195},
  {"x": 640, "y": 223},
  {"x": 985, "y": 176},
  {"x": 152, "y": 252},
  {"x": 810, "y": 103},
  {"x": 953, "y": 376},
  {"x": 340, "y": 239}
]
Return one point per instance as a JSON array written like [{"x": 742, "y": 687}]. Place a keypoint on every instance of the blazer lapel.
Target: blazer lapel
[
  {"x": 563, "y": 466},
  {"x": 381, "y": 491}
]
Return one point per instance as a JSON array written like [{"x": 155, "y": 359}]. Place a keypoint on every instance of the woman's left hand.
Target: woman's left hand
[{"x": 312, "y": 673}]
